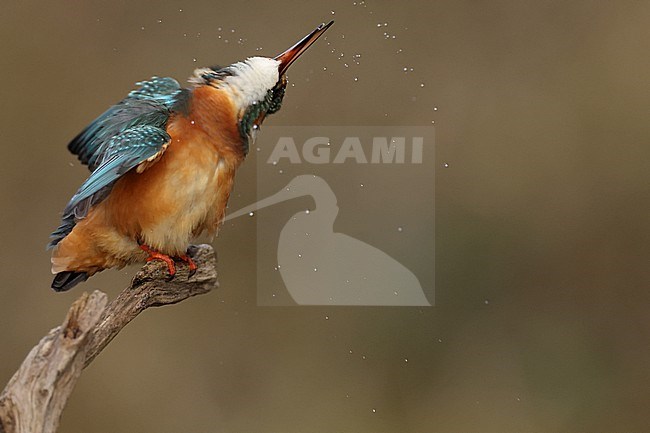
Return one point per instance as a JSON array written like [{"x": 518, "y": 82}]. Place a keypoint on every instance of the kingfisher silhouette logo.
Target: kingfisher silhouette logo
[{"x": 345, "y": 216}]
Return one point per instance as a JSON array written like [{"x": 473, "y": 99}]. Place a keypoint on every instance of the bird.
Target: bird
[
  {"x": 162, "y": 163},
  {"x": 322, "y": 267}
]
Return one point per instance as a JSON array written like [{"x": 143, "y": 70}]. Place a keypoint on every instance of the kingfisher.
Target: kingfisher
[{"x": 162, "y": 165}]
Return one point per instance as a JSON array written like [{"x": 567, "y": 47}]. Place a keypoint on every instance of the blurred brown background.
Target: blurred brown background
[{"x": 541, "y": 319}]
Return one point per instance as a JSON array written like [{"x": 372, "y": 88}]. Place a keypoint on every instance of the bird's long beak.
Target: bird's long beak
[{"x": 289, "y": 56}]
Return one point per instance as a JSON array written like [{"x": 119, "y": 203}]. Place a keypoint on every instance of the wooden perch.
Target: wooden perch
[{"x": 34, "y": 398}]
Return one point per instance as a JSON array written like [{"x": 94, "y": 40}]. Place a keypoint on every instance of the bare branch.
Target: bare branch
[
  {"x": 149, "y": 289},
  {"x": 34, "y": 398}
]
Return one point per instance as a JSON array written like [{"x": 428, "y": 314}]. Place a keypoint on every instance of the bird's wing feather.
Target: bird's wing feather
[
  {"x": 123, "y": 152},
  {"x": 150, "y": 104}
]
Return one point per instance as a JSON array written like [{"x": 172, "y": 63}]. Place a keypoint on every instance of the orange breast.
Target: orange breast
[{"x": 187, "y": 190}]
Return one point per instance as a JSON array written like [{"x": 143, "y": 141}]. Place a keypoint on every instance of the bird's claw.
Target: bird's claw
[
  {"x": 190, "y": 264},
  {"x": 155, "y": 255}
]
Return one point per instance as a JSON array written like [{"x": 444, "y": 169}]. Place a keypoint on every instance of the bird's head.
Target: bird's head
[{"x": 256, "y": 85}]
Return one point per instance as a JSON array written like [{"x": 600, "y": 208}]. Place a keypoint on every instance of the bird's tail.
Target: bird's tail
[{"x": 66, "y": 280}]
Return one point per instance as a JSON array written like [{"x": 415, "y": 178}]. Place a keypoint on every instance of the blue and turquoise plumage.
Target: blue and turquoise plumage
[{"x": 124, "y": 136}]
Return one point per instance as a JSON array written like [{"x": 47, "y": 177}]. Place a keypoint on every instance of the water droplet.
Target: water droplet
[
  {"x": 194, "y": 59},
  {"x": 399, "y": 229},
  {"x": 299, "y": 256},
  {"x": 445, "y": 165},
  {"x": 421, "y": 84},
  {"x": 327, "y": 317},
  {"x": 363, "y": 356},
  {"x": 332, "y": 12},
  {"x": 191, "y": 122},
  {"x": 435, "y": 108},
  {"x": 361, "y": 185},
  {"x": 374, "y": 411},
  {"x": 307, "y": 211},
  {"x": 486, "y": 302},
  {"x": 406, "y": 360},
  {"x": 251, "y": 214},
  {"x": 142, "y": 28},
  {"x": 356, "y": 78},
  {"x": 315, "y": 269},
  {"x": 275, "y": 163}
]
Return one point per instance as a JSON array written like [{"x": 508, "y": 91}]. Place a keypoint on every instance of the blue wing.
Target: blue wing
[
  {"x": 126, "y": 135},
  {"x": 151, "y": 104}
]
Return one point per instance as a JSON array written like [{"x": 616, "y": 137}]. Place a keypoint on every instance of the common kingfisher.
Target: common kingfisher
[{"x": 162, "y": 164}]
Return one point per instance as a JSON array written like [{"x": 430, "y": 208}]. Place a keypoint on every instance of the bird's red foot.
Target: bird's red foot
[
  {"x": 155, "y": 255},
  {"x": 190, "y": 263}
]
